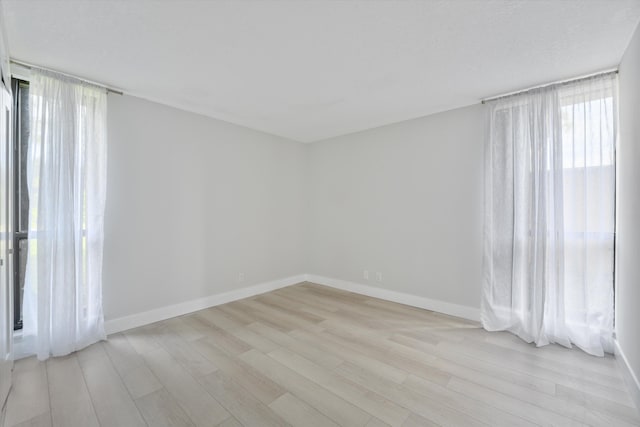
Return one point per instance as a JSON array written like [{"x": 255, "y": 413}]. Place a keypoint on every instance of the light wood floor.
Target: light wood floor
[{"x": 309, "y": 356}]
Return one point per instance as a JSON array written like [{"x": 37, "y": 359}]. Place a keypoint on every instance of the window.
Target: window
[
  {"x": 21, "y": 140},
  {"x": 550, "y": 223},
  {"x": 588, "y": 148}
]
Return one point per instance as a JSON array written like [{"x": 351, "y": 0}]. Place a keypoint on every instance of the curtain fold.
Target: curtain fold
[
  {"x": 66, "y": 171},
  {"x": 550, "y": 208}
]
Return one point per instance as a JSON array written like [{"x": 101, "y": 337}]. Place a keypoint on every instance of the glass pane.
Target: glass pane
[
  {"x": 22, "y": 265},
  {"x": 23, "y": 143}
]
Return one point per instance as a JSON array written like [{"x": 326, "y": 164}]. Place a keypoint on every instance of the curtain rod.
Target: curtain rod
[
  {"x": 32, "y": 66},
  {"x": 558, "y": 82}
]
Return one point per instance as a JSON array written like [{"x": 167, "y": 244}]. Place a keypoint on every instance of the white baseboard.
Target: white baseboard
[
  {"x": 119, "y": 324},
  {"x": 463, "y": 311},
  {"x": 630, "y": 377},
  {"x": 139, "y": 319}
]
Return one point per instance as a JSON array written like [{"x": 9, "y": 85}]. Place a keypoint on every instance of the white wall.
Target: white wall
[
  {"x": 192, "y": 202},
  {"x": 404, "y": 200},
  {"x": 628, "y": 235}
]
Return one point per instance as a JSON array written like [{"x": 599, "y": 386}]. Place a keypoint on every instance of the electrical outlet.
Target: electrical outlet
[
  {"x": 240, "y": 277},
  {"x": 365, "y": 274},
  {"x": 379, "y": 276}
]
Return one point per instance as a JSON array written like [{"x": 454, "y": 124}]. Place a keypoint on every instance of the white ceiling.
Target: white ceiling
[{"x": 309, "y": 70}]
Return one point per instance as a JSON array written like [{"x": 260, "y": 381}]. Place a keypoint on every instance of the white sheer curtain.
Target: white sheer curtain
[
  {"x": 66, "y": 171},
  {"x": 550, "y": 208}
]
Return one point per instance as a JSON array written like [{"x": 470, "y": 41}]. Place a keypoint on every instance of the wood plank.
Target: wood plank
[
  {"x": 29, "y": 397},
  {"x": 433, "y": 411},
  {"x": 159, "y": 409},
  {"x": 42, "y": 420},
  {"x": 201, "y": 408},
  {"x": 230, "y": 422},
  {"x": 185, "y": 353},
  {"x": 136, "y": 375},
  {"x": 71, "y": 404},
  {"x": 369, "y": 401},
  {"x": 230, "y": 342},
  {"x": 416, "y": 420},
  {"x": 248, "y": 410},
  {"x": 298, "y": 413},
  {"x": 446, "y": 397},
  {"x": 515, "y": 406},
  {"x": 256, "y": 383},
  {"x": 340, "y": 411},
  {"x": 112, "y": 403},
  {"x": 544, "y": 370},
  {"x": 476, "y": 370},
  {"x": 350, "y": 353},
  {"x": 143, "y": 339},
  {"x": 321, "y": 357}
]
